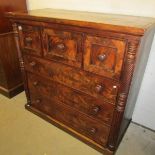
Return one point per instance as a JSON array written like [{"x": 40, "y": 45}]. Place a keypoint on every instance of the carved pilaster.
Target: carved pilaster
[
  {"x": 129, "y": 66},
  {"x": 123, "y": 92},
  {"x": 16, "y": 36},
  {"x": 120, "y": 103}
]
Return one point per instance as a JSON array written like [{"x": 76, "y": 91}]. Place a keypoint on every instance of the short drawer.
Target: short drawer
[
  {"x": 72, "y": 118},
  {"x": 75, "y": 78},
  {"x": 104, "y": 56},
  {"x": 96, "y": 108},
  {"x": 30, "y": 39},
  {"x": 62, "y": 46}
]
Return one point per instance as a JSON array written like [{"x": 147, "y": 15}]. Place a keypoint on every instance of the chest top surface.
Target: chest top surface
[{"x": 118, "y": 23}]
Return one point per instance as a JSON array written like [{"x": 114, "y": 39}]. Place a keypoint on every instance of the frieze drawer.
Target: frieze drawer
[{"x": 63, "y": 46}]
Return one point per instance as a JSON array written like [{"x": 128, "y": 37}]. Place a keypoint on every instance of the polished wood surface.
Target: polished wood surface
[
  {"x": 10, "y": 76},
  {"x": 74, "y": 78},
  {"x": 30, "y": 40},
  {"x": 122, "y": 23},
  {"x": 74, "y": 119},
  {"x": 77, "y": 72},
  {"x": 63, "y": 46},
  {"x": 96, "y": 108},
  {"x": 104, "y": 56},
  {"x": 7, "y": 6}
]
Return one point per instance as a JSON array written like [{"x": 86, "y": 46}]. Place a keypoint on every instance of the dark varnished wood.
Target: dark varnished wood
[
  {"x": 117, "y": 23},
  {"x": 7, "y": 6},
  {"x": 79, "y": 74},
  {"x": 123, "y": 93},
  {"x": 76, "y": 28},
  {"x": 72, "y": 132},
  {"x": 62, "y": 46},
  {"x": 94, "y": 107},
  {"x": 79, "y": 122},
  {"x": 104, "y": 56},
  {"x": 30, "y": 40},
  {"x": 10, "y": 77},
  {"x": 74, "y": 78}
]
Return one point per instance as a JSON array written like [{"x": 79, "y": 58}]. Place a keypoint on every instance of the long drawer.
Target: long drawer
[
  {"x": 72, "y": 118},
  {"x": 75, "y": 78},
  {"x": 96, "y": 108}
]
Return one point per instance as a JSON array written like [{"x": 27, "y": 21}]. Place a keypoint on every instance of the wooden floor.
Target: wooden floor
[{"x": 23, "y": 133}]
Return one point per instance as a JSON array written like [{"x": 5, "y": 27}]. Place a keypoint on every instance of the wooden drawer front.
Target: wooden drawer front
[
  {"x": 72, "y": 118},
  {"x": 30, "y": 39},
  {"x": 104, "y": 56},
  {"x": 96, "y": 108},
  {"x": 62, "y": 46},
  {"x": 74, "y": 78}
]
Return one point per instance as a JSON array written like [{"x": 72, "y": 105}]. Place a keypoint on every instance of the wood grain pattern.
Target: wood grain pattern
[
  {"x": 69, "y": 130},
  {"x": 117, "y": 23},
  {"x": 10, "y": 75},
  {"x": 74, "y": 78},
  {"x": 80, "y": 74},
  {"x": 62, "y": 46},
  {"x": 104, "y": 56},
  {"x": 72, "y": 118},
  {"x": 94, "y": 107}
]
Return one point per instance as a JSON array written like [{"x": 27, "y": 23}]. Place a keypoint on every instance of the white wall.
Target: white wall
[
  {"x": 135, "y": 7},
  {"x": 144, "y": 112}
]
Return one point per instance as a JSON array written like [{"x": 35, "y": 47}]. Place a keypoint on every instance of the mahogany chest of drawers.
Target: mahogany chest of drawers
[{"x": 82, "y": 71}]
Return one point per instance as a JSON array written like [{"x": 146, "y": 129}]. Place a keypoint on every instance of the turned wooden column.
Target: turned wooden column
[{"x": 11, "y": 82}]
